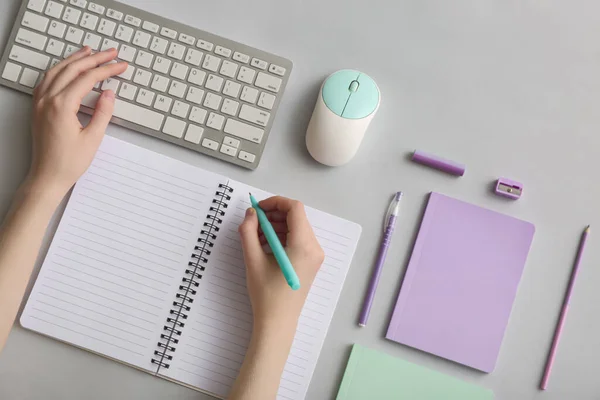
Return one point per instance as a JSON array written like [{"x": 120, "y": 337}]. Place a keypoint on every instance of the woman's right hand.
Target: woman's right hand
[{"x": 275, "y": 305}]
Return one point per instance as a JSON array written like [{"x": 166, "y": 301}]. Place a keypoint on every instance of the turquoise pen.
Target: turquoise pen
[{"x": 278, "y": 250}]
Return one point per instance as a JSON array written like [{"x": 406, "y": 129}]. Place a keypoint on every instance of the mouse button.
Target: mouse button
[
  {"x": 364, "y": 101},
  {"x": 335, "y": 90},
  {"x": 353, "y": 86}
]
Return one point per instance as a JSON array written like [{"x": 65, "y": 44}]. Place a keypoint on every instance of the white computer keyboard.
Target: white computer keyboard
[{"x": 183, "y": 85}]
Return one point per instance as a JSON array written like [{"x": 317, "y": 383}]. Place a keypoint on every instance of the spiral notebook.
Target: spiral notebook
[{"x": 146, "y": 268}]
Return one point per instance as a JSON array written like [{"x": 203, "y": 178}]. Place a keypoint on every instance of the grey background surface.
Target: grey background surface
[{"x": 511, "y": 88}]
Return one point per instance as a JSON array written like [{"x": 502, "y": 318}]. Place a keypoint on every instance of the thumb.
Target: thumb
[
  {"x": 102, "y": 114},
  {"x": 248, "y": 229}
]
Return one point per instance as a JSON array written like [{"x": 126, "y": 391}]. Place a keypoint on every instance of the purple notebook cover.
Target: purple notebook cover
[{"x": 461, "y": 282}]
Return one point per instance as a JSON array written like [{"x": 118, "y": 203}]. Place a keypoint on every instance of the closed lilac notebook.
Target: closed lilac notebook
[{"x": 461, "y": 282}]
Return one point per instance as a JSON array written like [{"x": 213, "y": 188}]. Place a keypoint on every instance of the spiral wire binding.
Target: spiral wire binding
[{"x": 184, "y": 297}]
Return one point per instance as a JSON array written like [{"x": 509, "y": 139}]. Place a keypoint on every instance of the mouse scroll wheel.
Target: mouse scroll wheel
[{"x": 353, "y": 86}]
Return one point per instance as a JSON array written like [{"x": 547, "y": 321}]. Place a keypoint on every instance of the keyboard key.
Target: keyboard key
[
  {"x": 114, "y": 14},
  {"x": 109, "y": 44},
  {"x": 249, "y": 95},
  {"x": 210, "y": 144},
  {"x": 35, "y": 22},
  {"x": 142, "y": 77},
  {"x": 160, "y": 83},
  {"x": 268, "y": 82},
  {"x": 55, "y": 47},
  {"x": 198, "y": 115},
  {"x": 110, "y": 84},
  {"x": 11, "y": 72},
  {"x": 161, "y": 65},
  {"x": 54, "y": 62},
  {"x": 96, "y": 8},
  {"x": 129, "y": 112},
  {"x": 179, "y": 71},
  {"x": 57, "y": 29},
  {"x": 176, "y": 51},
  {"x": 124, "y": 33},
  {"x": 231, "y": 142},
  {"x": 145, "y": 97},
  {"x": 36, "y": 5},
  {"x": 249, "y": 157},
  {"x": 163, "y": 103},
  {"x": 128, "y": 91},
  {"x": 141, "y": 39},
  {"x": 259, "y": 63},
  {"x": 228, "y": 69},
  {"x": 29, "y": 77},
  {"x": 89, "y": 21},
  {"x": 131, "y": 20},
  {"x": 71, "y": 16},
  {"x": 74, "y": 35},
  {"x": 204, "y": 45},
  {"x": 193, "y": 57},
  {"x": 254, "y": 115},
  {"x": 244, "y": 131},
  {"x": 79, "y": 3},
  {"x": 196, "y": 77},
  {"x": 54, "y": 9},
  {"x": 174, "y": 127},
  {"x": 194, "y": 133},
  {"x": 128, "y": 73},
  {"x": 195, "y": 95},
  {"x": 277, "y": 70},
  {"x": 28, "y": 57},
  {"x": 230, "y": 107},
  {"x": 150, "y": 26},
  {"x": 31, "y": 39},
  {"x": 144, "y": 58},
  {"x": 212, "y": 101},
  {"x": 70, "y": 50},
  {"x": 215, "y": 121},
  {"x": 107, "y": 27},
  {"x": 159, "y": 45},
  {"x": 241, "y": 57},
  {"x": 177, "y": 89},
  {"x": 211, "y": 63},
  {"x": 187, "y": 39},
  {"x": 170, "y": 33},
  {"x": 214, "y": 83},
  {"x": 222, "y": 51},
  {"x": 246, "y": 75},
  {"x": 180, "y": 109},
  {"x": 232, "y": 89},
  {"x": 266, "y": 100},
  {"x": 127, "y": 53},
  {"x": 230, "y": 151}
]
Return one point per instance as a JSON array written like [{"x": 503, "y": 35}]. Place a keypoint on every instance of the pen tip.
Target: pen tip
[{"x": 587, "y": 230}]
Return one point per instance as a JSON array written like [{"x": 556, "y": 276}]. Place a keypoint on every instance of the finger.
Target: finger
[
  {"x": 54, "y": 71},
  {"x": 276, "y": 216},
  {"x": 280, "y": 227},
  {"x": 296, "y": 216},
  {"x": 69, "y": 73},
  {"x": 101, "y": 117},
  {"x": 77, "y": 90},
  {"x": 253, "y": 253},
  {"x": 281, "y": 236}
]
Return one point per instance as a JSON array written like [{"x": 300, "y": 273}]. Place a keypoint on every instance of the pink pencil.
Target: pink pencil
[{"x": 563, "y": 312}]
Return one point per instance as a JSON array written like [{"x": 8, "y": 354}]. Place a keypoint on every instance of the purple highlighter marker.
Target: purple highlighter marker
[
  {"x": 439, "y": 163},
  {"x": 388, "y": 228}
]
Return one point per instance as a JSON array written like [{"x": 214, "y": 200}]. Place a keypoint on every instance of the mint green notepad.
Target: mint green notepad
[{"x": 374, "y": 375}]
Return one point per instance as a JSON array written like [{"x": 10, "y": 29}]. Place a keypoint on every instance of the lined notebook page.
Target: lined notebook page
[
  {"x": 120, "y": 252},
  {"x": 218, "y": 331}
]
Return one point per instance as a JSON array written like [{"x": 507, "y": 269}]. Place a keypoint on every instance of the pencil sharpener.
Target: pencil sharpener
[{"x": 509, "y": 188}]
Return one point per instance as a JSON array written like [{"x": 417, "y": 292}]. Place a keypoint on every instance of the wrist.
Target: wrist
[{"x": 40, "y": 191}]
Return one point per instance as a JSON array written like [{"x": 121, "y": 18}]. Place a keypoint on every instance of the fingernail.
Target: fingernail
[
  {"x": 250, "y": 211},
  {"x": 109, "y": 94}
]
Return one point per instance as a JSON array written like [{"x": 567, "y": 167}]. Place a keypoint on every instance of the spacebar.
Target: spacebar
[{"x": 129, "y": 112}]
